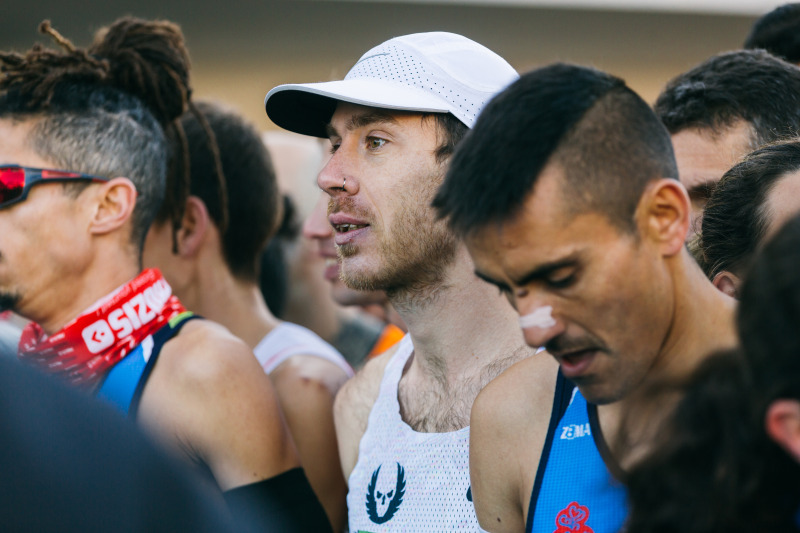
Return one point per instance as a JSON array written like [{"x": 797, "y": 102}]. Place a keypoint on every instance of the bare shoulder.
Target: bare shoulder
[
  {"x": 357, "y": 396},
  {"x": 205, "y": 354},
  {"x": 307, "y": 370},
  {"x": 520, "y": 393},
  {"x": 208, "y": 397},
  {"x": 353, "y": 405},
  {"x": 306, "y": 387},
  {"x": 508, "y": 427}
]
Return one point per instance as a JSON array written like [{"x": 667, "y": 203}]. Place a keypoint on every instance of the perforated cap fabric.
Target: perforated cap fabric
[{"x": 435, "y": 72}]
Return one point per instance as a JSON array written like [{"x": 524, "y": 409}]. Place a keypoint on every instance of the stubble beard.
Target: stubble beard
[{"x": 414, "y": 255}]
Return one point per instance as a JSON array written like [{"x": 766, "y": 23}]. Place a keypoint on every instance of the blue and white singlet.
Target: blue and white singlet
[{"x": 574, "y": 492}]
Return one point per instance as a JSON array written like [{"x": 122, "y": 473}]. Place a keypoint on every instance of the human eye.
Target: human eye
[
  {"x": 560, "y": 278},
  {"x": 700, "y": 195},
  {"x": 334, "y": 145},
  {"x": 375, "y": 143}
]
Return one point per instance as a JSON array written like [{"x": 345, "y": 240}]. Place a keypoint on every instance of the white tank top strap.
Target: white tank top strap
[{"x": 289, "y": 339}]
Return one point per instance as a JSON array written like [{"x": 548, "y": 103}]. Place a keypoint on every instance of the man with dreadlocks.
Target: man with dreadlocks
[
  {"x": 212, "y": 263},
  {"x": 83, "y": 161}
]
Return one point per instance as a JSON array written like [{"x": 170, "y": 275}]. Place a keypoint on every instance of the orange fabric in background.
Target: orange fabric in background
[{"x": 390, "y": 336}]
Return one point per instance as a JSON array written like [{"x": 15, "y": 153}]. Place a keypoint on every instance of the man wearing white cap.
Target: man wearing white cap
[{"x": 403, "y": 421}]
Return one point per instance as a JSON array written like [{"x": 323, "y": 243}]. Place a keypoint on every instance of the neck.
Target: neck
[
  {"x": 460, "y": 326},
  {"x": 217, "y": 295},
  {"x": 703, "y": 323},
  {"x": 79, "y": 289}
]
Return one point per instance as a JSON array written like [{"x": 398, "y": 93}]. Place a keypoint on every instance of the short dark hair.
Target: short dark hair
[
  {"x": 103, "y": 109},
  {"x": 735, "y": 219},
  {"x": 769, "y": 312},
  {"x": 778, "y": 32},
  {"x": 606, "y": 138},
  {"x": 746, "y": 85},
  {"x": 247, "y": 212},
  {"x": 450, "y": 132}
]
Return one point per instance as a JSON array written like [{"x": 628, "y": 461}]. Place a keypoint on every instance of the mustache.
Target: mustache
[
  {"x": 348, "y": 205},
  {"x": 564, "y": 344}
]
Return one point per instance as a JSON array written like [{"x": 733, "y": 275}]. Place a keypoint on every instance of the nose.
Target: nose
[
  {"x": 538, "y": 321},
  {"x": 336, "y": 177},
  {"x": 316, "y": 226}
]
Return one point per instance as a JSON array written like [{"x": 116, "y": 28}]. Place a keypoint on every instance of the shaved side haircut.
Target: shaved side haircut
[{"x": 605, "y": 137}]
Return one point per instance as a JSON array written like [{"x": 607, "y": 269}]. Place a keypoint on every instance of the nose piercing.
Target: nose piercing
[{"x": 344, "y": 181}]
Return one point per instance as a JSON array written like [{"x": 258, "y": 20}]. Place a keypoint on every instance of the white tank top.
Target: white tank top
[
  {"x": 405, "y": 480},
  {"x": 289, "y": 339}
]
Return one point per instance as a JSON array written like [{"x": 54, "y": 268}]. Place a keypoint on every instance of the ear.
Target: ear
[
  {"x": 665, "y": 210},
  {"x": 115, "y": 201},
  {"x": 728, "y": 283},
  {"x": 783, "y": 425},
  {"x": 194, "y": 227}
]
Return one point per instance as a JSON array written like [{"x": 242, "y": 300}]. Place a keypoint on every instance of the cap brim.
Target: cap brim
[{"x": 307, "y": 108}]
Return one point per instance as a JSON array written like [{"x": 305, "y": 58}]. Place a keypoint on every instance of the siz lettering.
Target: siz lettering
[
  {"x": 139, "y": 310},
  {"x": 145, "y": 313},
  {"x": 120, "y": 323},
  {"x": 155, "y": 297},
  {"x": 132, "y": 315}
]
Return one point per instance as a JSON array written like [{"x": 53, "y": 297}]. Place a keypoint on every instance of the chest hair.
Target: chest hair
[{"x": 438, "y": 403}]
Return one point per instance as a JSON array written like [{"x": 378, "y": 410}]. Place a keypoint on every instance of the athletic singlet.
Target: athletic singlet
[
  {"x": 574, "y": 492},
  {"x": 123, "y": 385},
  {"x": 289, "y": 339},
  {"x": 405, "y": 480}
]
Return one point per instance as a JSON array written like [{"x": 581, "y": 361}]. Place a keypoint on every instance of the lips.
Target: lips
[
  {"x": 576, "y": 363},
  {"x": 346, "y": 228}
]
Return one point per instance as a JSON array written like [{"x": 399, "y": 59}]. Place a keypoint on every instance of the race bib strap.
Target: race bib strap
[{"x": 125, "y": 382}]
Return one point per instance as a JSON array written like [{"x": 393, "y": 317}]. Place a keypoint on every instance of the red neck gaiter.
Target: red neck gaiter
[{"x": 86, "y": 348}]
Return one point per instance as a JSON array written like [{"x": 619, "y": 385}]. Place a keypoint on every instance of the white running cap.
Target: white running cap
[{"x": 435, "y": 72}]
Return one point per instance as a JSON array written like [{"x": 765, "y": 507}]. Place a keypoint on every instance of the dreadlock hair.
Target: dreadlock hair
[{"x": 104, "y": 110}]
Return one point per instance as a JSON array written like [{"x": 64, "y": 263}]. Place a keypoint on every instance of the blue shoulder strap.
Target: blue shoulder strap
[{"x": 125, "y": 381}]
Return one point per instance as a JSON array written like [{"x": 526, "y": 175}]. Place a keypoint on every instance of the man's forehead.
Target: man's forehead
[
  {"x": 15, "y": 144},
  {"x": 348, "y": 117},
  {"x": 521, "y": 242},
  {"x": 704, "y": 155},
  {"x": 538, "y": 237}
]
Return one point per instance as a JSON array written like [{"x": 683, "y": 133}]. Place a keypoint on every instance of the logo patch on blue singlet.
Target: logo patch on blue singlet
[
  {"x": 575, "y": 431},
  {"x": 383, "y": 501}
]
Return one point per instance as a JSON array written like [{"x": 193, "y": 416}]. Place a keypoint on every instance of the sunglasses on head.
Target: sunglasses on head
[{"x": 16, "y": 181}]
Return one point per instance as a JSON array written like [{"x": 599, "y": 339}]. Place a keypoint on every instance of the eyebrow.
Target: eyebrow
[
  {"x": 538, "y": 273},
  {"x": 705, "y": 187},
  {"x": 360, "y": 120}
]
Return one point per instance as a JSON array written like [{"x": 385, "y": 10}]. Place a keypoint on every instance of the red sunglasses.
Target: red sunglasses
[{"x": 16, "y": 181}]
